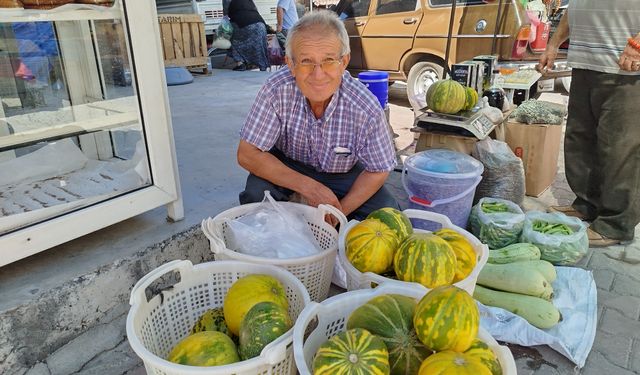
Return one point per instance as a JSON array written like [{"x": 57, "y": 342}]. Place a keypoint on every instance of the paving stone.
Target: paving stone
[
  {"x": 629, "y": 306},
  {"x": 597, "y": 364},
  {"x": 603, "y": 278},
  {"x": 119, "y": 360},
  {"x": 626, "y": 286},
  {"x": 39, "y": 369},
  {"x": 139, "y": 370},
  {"x": 71, "y": 357},
  {"x": 616, "y": 348},
  {"x": 615, "y": 323},
  {"x": 608, "y": 260}
]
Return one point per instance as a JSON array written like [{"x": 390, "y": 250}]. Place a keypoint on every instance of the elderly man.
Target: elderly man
[{"x": 316, "y": 131}]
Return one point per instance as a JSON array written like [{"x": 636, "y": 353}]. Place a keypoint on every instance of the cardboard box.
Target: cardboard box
[
  {"x": 538, "y": 145},
  {"x": 431, "y": 139}
]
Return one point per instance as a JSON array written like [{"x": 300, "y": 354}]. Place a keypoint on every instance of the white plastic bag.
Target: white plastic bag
[
  {"x": 497, "y": 229},
  {"x": 557, "y": 248},
  {"x": 575, "y": 296},
  {"x": 271, "y": 231}
]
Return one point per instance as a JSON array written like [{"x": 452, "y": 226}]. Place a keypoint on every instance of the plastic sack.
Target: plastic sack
[
  {"x": 497, "y": 229},
  {"x": 225, "y": 29},
  {"x": 503, "y": 175},
  {"x": 559, "y": 249},
  {"x": 575, "y": 296},
  {"x": 274, "y": 51},
  {"x": 270, "y": 231}
]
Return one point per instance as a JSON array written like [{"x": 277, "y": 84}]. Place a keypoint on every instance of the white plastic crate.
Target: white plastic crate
[
  {"x": 315, "y": 271},
  {"x": 359, "y": 280},
  {"x": 155, "y": 326},
  {"x": 332, "y": 314}
]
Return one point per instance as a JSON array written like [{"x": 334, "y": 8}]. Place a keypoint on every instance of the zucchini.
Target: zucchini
[
  {"x": 537, "y": 311},
  {"x": 514, "y": 278},
  {"x": 545, "y": 268},
  {"x": 517, "y": 252}
]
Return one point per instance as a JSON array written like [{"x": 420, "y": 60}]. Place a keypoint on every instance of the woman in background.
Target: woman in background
[{"x": 249, "y": 39}]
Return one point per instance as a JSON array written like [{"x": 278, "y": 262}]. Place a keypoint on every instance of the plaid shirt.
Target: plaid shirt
[{"x": 352, "y": 129}]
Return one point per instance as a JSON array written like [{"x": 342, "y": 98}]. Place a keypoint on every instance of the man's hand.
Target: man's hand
[
  {"x": 316, "y": 193},
  {"x": 547, "y": 59},
  {"x": 630, "y": 58},
  {"x": 279, "y": 28}
]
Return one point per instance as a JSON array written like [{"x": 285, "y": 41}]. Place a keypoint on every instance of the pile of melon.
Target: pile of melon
[
  {"x": 254, "y": 313},
  {"x": 392, "y": 334},
  {"x": 384, "y": 243}
]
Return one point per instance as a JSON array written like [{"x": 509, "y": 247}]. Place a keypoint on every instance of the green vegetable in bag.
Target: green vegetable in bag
[{"x": 551, "y": 228}]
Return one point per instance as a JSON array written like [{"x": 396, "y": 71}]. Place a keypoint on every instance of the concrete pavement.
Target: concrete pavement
[{"x": 63, "y": 311}]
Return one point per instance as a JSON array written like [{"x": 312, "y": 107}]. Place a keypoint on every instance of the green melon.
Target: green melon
[
  {"x": 471, "y": 98},
  {"x": 264, "y": 322},
  {"x": 394, "y": 219},
  {"x": 207, "y": 348},
  {"x": 446, "y": 96},
  {"x": 355, "y": 351},
  {"x": 447, "y": 318},
  {"x": 481, "y": 351},
  {"x": 390, "y": 317},
  {"x": 426, "y": 259},
  {"x": 211, "y": 320}
]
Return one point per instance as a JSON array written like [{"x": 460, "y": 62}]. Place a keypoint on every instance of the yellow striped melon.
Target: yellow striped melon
[
  {"x": 426, "y": 259},
  {"x": 355, "y": 351},
  {"x": 370, "y": 246}
]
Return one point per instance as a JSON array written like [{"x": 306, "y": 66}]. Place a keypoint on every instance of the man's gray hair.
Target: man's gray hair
[{"x": 322, "y": 19}]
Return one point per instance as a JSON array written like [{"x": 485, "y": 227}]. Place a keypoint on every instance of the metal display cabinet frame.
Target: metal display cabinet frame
[{"x": 140, "y": 24}]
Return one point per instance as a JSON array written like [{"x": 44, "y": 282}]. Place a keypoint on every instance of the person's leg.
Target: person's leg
[
  {"x": 581, "y": 160},
  {"x": 340, "y": 184},
  {"x": 616, "y": 99},
  {"x": 255, "y": 188}
]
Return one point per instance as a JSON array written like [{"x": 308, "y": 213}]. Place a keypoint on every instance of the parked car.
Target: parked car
[{"x": 408, "y": 38}]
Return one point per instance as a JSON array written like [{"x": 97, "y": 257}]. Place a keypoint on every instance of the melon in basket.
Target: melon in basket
[
  {"x": 390, "y": 317},
  {"x": 370, "y": 246},
  {"x": 248, "y": 291},
  {"x": 355, "y": 351},
  {"x": 265, "y": 322},
  {"x": 450, "y": 362},
  {"x": 207, "y": 348},
  {"x": 425, "y": 259},
  {"x": 394, "y": 219}
]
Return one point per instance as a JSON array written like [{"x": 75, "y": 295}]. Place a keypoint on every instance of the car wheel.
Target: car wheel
[{"x": 421, "y": 76}]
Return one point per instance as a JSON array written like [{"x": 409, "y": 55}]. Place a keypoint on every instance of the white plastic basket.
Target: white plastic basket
[
  {"x": 155, "y": 326},
  {"x": 315, "y": 271},
  {"x": 331, "y": 316},
  {"x": 358, "y": 280}
]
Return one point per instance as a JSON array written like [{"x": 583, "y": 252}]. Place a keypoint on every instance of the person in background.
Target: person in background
[
  {"x": 602, "y": 140},
  {"x": 287, "y": 16},
  {"x": 249, "y": 39},
  {"x": 316, "y": 131}
]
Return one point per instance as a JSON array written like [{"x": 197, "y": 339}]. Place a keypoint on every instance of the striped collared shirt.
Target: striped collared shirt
[
  {"x": 352, "y": 129},
  {"x": 599, "y": 31}
]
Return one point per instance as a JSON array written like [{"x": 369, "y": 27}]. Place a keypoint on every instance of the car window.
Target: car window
[
  {"x": 396, "y": 6},
  {"x": 352, "y": 8},
  {"x": 436, "y": 3}
]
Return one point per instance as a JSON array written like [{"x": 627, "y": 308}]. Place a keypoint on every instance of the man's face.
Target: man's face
[{"x": 317, "y": 83}]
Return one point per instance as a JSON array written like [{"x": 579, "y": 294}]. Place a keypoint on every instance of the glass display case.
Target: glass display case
[{"x": 85, "y": 129}]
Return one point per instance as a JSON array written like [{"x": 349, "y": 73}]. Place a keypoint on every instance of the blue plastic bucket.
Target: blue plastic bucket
[
  {"x": 378, "y": 83},
  {"x": 442, "y": 181}
]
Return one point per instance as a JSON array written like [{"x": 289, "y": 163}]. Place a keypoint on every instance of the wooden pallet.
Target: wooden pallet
[{"x": 183, "y": 41}]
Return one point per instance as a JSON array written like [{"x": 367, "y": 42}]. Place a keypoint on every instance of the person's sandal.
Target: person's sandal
[
  {"x": 598, "y": 240},
  {"x": 240, "y": 68},
  {"x": 569, "y": 211}
]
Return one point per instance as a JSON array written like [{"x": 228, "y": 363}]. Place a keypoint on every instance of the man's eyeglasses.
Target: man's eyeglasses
[{"x": 327, "y": 66}]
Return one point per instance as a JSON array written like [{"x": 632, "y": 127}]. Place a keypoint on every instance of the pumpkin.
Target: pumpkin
[
  {"x": 355, "y": 351},
  {"x": 390, "y": 317},
  {"x": 447, "y": 318},
  {"x": 480, "y": 350},
  {"x": 207, "y": 348},
  {"x": 466, "y": 257},
  {"x": 395, "y": 219},
  {"x": 370, "y": 246},
  {"x": 452, "y": 363},
  {"x": 211, "y": 320},
  {"x": 264, "y": 322},
  {"x": 446, "y": 96},
  {"x": 471, "y": 98},
  {"x": 248, "y": 291},
  {"x": 426, "y": 259}
]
